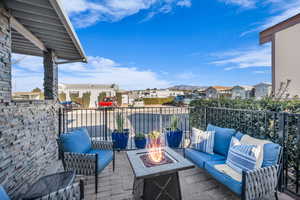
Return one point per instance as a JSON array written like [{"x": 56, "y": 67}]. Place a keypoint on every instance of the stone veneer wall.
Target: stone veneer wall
[
  {"x": 5, "y": 56},
  {"x": 28, "y": 132}
]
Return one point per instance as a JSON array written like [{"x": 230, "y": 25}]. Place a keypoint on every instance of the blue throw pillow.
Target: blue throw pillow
[
  {"x": 222, "y": 138},
  {"x": 77, "y": 141},
  {"x": 3, "y": 195},
  {"x": 271, "y": 154},
  {"x": 239, "y": 135}
]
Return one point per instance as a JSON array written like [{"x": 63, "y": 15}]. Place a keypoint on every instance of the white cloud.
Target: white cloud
[
  {"x": 242, "y": 3},
  {"x": 184, "y": 3},
  {"x": 262, "y": 72},
  {"x": 255, "y": 57},
  {"x": 85, "y": 13},
  {"x": 99, "y": 70}
]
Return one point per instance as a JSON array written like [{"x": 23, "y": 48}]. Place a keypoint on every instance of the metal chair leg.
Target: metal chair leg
[
  {"x": 276, "y": 195},
  {"x": 114, "y": 162},
  {"x": 96, "y": 183}
]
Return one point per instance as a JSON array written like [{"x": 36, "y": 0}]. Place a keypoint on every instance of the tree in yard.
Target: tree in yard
[
  {"x": 101, "y": 96},
  {"x": 86, "y": 99},
  {"x": 62, "y": 97},
  {"x": 37, "y": 90},
  {"x": 119, "y": 98}
]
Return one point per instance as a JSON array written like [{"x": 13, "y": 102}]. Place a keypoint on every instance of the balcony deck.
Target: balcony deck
[{"x": 196, "y": 184}]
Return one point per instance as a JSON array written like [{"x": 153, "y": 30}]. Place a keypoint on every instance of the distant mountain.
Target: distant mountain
[{"x": 187, "y": 87}]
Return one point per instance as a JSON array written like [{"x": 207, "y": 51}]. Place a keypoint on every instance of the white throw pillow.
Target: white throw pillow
[
  {"x": 203, "y": 140},
  {"x": 242, "y": 157},
  {"x": 248, "y": 140}
]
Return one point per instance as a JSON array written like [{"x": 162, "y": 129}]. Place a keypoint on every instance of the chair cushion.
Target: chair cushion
[
  {"x": 223, "y": 178},
  {"x": 3, "y": 194},
  {"x": 203, "y": 140},
  {"x": 222, "y": 139},
  {"x": 271, "y": 154},
  {"x": 104, "y": 157},
  {"x": 77, "y": 141},
  {"x": 200, "y": 158},
  {"x": 242, "y": 157}
]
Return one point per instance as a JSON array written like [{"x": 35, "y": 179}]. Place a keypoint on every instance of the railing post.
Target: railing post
[
  {"x": 205, "y": 116},
  {"x": 160, "y": 120},
  {"x": 59, "y": 121},
  {"x": 282, "y": 139},
  {"x": 105, "y": 122}
]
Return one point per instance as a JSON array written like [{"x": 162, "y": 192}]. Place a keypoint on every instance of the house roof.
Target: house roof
[
  {"x": 267, "y": 35},
  {"x": 246, "y": 87},
  {"x": 45, "y": 25},
  {"x": 219, "y": 88},
  {"x": 88, "y": 86},
  {"x": 25, "y": 93},
  {"x": 263, "y": 83}
]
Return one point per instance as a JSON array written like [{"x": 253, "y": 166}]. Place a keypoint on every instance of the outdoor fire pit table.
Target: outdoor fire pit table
[
  {"x": 157, "y": 180},
  {"x": 49, "y": 184}
]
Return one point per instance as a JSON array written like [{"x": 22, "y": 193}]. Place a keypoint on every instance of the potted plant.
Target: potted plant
[
  {"x": 120, "y": 135},
  {"x": 140, "y": 140},
  {"x": 154, "y": 139},
  {"x": 174, "y": 134}
]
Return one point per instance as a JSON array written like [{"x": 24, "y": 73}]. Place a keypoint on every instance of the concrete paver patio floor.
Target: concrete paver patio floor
[{"x": 196, "y": 184}]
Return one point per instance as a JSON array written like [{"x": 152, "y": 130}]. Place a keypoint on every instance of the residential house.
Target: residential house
[
  {"x": 94, "y": 89},
  {"x": 218, "y": 91},
  {"x": 262, "y": 90},
  {"x": 27, "y": 96},
  {"x": 242, "y": 92},
  {"x": 158, "y": 93},
  {"x": 285, "y": 41}
]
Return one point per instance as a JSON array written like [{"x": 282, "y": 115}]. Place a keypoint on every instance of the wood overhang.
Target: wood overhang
[{"x": 268, "y": 34}]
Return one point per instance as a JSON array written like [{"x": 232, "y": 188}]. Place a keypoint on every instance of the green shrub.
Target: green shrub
[{"x": 62, "y": 97}]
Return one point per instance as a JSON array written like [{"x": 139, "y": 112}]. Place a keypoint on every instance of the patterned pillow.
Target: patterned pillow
[
  {"x": 203, "y": 140},
  {"x": 242, "y": 157}
]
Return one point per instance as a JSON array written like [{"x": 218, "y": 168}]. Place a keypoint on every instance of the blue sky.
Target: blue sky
[{"x": 159, "y": 43}]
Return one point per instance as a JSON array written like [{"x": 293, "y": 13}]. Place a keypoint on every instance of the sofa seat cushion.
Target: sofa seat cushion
[
  {"x": 232, "y": 184},
  {"x": 3, "y": 194},
  {"x": 104, "y": 157},
  {"x": 77, "y": 141},
  {"x": 200, "y": 158},
  {"x": 222, "y": 138}
]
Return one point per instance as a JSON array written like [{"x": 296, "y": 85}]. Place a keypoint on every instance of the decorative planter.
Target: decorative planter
[
  {"x": 174, "y": 138},
  {"x": 140, "y": 143},
  {"x": 120, "y": 139}
]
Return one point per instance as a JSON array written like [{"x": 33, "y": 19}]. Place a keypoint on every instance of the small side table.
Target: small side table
[{"x": 49, "y": 184}]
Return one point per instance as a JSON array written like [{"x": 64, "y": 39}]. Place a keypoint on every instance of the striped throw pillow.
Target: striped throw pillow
[
  {"x": 242, "y": 157},
  {"x": 203, "y": 140}
]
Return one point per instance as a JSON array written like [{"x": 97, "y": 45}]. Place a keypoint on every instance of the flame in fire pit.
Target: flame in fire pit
[{"x": 156, "y": 154}]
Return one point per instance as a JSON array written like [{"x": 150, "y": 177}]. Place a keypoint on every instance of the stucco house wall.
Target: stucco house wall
[{"x": 287, "y": 59}]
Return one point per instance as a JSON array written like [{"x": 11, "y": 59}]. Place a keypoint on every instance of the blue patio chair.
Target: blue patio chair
[{"x": 83, "y": 155}]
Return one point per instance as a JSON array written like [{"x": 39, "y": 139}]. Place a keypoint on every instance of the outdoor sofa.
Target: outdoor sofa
[
  {"x": 84, "y": 155},
  {"x": 253, "y": 184}
]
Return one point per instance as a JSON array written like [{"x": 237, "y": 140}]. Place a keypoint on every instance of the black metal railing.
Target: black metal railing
[
  {"x": 103, "y": 121},
  {"x": 281, "y": 128}
]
